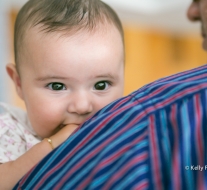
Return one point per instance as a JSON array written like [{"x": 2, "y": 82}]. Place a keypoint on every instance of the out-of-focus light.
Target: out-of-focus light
[{"x": 147, "y": 6}]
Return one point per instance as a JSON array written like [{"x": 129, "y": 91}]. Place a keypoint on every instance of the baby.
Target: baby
[{"x": 69, "y": 58}]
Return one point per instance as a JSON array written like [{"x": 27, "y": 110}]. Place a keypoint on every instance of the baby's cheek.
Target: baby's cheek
[
  {"x": 46, "y": 116},
  {"x": 45, "y": 124}
]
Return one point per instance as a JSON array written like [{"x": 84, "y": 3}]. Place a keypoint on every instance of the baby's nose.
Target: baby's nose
[{"x": 81, "y": 104}]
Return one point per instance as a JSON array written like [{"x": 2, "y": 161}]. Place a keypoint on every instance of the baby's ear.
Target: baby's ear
[{"x": 12, "y": 72}]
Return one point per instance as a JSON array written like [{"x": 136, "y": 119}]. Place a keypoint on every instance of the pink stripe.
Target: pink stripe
[
  {"x": 159, "y": 90},
  {"x": 66, "y": 158},
  {"x": 25, "y": 177},
  {"x": 181, "y": 74},
  {"x": 111, "y": 158},
  {"x": 199, "y": 138},
  {"x": 141, "y": 115},
  {"x": 143, "y": 185},
  {"x": 118, "y": 174},
  {"x": 167, "y": 101},
  {"x": 176, "y": 96},
  {"x": 175, "y": 162},
  {"x": 79, "y": 164},
  {"x": 126, "y": 167},
  {"x": 150, "y": 109},
  {"x": 114, "y": 156},
  {"x": 121, "y": 102},
  {"x": 155, "y": 154},
  {"x": 63, "y": 161}
]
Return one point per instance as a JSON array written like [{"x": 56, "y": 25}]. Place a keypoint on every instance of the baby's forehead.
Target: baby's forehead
[
  {"x": 58, "y": 53},
  {"x": 37, "y": 35},
  {"x": 61, "y": 21},
  {"x": 39, "y": 32}
]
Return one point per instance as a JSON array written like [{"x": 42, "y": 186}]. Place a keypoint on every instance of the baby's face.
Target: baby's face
[{"x": 66, "y": 80}]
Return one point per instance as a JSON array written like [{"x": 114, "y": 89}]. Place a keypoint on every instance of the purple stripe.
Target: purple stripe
[
  {"x": 199, "y": 139},
  {"x": 114, "y": 157},
  {"x": 175, "y": 153},
  {"x": 175, "y": 76},
  {"x": 97, "y": 149},
  {"x": 156, "y": 173}
]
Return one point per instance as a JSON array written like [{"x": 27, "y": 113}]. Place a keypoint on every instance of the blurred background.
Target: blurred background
[{"x": 159, "y": 40}]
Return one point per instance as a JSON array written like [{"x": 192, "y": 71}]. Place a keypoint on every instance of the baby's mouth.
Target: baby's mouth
[{"x": 63, "y": 125}]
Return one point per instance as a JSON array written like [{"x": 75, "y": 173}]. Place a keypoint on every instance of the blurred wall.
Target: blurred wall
[
  {"x": 5, "y": 93},
  {"x": 150, "y": 55}
]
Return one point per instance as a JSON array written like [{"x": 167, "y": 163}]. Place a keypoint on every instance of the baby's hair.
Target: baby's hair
[{"x": 62, "y": 16}]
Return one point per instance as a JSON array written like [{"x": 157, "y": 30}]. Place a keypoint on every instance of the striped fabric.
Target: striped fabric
[{"x": 155, "y": 138}]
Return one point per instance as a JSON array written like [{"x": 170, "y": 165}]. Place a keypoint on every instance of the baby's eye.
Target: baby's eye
[
  {"x": 102, "y": 85},
  {"x": 56, "y": 86}
]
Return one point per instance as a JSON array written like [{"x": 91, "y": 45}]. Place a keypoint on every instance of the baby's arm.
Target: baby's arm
[{"x": 11, "y": 172}]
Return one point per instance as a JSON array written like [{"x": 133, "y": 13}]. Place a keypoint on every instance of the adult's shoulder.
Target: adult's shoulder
[
  {"x": 173, "y": 88},
  {"x": 133, "y": 141},
  {"x": 162, "y": 92}
]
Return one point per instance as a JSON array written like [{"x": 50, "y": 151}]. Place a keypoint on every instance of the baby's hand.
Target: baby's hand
[
  {"x": 63, "y": 134},
  {"x": 11, "y": 172}
]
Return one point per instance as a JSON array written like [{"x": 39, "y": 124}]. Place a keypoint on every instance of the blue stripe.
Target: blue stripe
[
  {"x": 128, "y": 134},
  {"x": 126, "y": 158},
  {"x": 141, "y": 170},
  {"x": 165, "y": 146},
  {"x": 92, "y": 145},
  {"x": 186, "y": 146},
  {"x": 133, "y": 177}
]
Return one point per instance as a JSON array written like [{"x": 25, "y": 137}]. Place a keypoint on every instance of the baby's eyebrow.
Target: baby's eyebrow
[
  {"x": 53, "y": 77},
  {"x": 50, "y": 77},
  {"x": 105, "y": 76}
]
